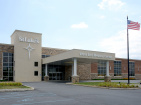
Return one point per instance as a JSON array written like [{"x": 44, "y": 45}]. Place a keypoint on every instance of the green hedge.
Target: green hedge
[
  {"x": 115, "y": 85},
  {"x": 10, "y": 84}
]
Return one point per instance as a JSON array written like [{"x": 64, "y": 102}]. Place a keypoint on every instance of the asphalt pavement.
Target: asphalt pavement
[{"x": 59, "y": 93}]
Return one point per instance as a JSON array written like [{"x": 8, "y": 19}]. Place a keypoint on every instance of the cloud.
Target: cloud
[
  {"x": 118, "y": 44},
  {"x": 111, "y": 4},
  {"x": 80, "y": 25}
]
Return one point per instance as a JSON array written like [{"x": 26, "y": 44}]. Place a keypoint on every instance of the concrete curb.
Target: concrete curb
[
  {"x": 18, "y": 89},
  {"x": 105, "y": 87}
]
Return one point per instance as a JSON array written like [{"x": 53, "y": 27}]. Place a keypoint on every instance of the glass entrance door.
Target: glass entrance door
[
  {"x": 55, "y": 72},
  {"x": 55, "y": 76}
]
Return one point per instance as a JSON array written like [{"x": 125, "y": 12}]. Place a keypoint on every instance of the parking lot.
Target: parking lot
[{"x": 59, "y": 93}]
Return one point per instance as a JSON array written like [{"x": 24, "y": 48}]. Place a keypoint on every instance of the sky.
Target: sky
[{"x": 98, "y": 25}]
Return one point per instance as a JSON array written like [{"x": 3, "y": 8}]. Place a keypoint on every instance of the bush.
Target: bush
[
  {"x": 116, "y": 85},
  {"x": 132, "y": 86},
  {"x": 10, "y": 84},
  {"x": 129, "y": 78}
]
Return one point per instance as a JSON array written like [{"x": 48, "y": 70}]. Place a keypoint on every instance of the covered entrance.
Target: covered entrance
[{"x": 72, "y": 58}]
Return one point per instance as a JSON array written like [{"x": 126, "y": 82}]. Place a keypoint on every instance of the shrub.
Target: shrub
[
  {"x": 129, "y": 78},
  {"x": 123, "y": 85},
  {"x": 116, "y": 85},
  {"x": 10, "y": 84},
  {"x": 132, "y": 86},
  {"x": 137, "y": 86}
]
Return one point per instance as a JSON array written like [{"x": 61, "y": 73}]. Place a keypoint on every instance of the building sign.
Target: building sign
[
  {"x": 28, "y": 40},
  {"x": 95, "y": 55}
]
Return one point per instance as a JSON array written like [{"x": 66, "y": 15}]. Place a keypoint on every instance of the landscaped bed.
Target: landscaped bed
[
  {"x": 11, "y": 85},
  {"x": 109, "y": 84},
  {"x": 117, "y": 79}
]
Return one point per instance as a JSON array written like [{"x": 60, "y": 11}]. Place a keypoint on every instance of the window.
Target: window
[
  {"x": 35, "y": 73},
  {"x": 44, "y": 56},
  {"x": 36, "y": 64},
  {"x": 131, "y": 69},
  {"x": 101, "y": 68},
  {"x": 117, "y": 68},
  {"x": 8, "y": 66}
]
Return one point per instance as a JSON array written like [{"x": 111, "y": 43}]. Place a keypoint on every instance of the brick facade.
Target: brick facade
[
  {"x": 4, "y": 48},
  {"x": 124, "y": 70},
  {"x": 86, "y": 71}
]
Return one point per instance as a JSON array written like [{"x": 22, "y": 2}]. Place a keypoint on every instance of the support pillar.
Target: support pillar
[
  {"x": 75, "y": 77},
  {"x": 72, "y": 69},
  {"x": 107, "y": 78},
  {"x": 46, "y": 77}
]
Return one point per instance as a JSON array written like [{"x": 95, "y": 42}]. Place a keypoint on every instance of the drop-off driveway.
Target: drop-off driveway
[{"x": 54, "y": 93}]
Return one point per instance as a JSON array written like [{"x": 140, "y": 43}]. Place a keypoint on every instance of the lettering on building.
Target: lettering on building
[
  {"x": 28, "y": 40},
  {"x": 95, "y": 55}
]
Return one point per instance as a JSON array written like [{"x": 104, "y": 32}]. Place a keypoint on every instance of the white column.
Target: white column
[
  {"x": 75, "y": 67},
  {"x": 46, "y": 70},
  {"x": 107, "y": 68},
  {"x": 72, "y": 69}
]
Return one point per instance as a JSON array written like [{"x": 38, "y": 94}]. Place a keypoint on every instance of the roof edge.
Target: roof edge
[{"x": 25, "y": 31}]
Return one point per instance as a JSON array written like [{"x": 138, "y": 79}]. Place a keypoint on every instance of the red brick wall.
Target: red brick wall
[
  {"x": 95, "y": 65},
  {"x": 137, "y": 67},
  {"x": 124, "y": 69},
  {"x": 125, "y": 65},
  {"x": 111, "y": 66},
  {"x": 94, "y": 68}
]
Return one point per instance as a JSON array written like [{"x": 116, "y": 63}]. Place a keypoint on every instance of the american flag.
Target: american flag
[{"x": 133, "y": 25}]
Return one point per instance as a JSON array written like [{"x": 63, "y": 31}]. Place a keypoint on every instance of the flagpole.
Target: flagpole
[{"x": 128, "y": 51}]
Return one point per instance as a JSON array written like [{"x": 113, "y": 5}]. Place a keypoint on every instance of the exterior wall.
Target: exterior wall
[
  {"x": 24, "y": 64},
  {"x": 84, "y": 71},
  {"x": 4, "y": 48},
  {"x": 124, "y": 70}
]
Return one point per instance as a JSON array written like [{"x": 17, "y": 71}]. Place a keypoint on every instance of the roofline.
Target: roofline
[
  {"x": 56, "y": 48},
  {"x": 93, "y": 50},
  {"x": 25, "y": 31},
  {"x": 6, "y": 44},
  {"x": 129, "y": 59}
]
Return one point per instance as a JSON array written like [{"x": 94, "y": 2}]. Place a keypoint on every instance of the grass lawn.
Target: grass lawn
[
  {"x": 109, "y": 84},
  {"x": 12, "y": 87}
]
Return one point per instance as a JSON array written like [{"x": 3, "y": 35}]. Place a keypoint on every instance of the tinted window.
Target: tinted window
[
  {"x": 35, "y": 63},
  {"x": 35, "y": 73}
]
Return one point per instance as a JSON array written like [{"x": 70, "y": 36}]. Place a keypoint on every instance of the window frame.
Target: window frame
[
  {"x": 8, "y": 64},
  {"x": 101, "y": 68},
  {"x": 118, "y": 68}
]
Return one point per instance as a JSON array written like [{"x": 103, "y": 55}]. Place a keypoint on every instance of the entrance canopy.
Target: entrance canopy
[{"x": 83, "y": 56}]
